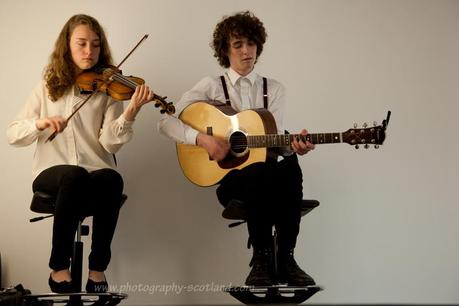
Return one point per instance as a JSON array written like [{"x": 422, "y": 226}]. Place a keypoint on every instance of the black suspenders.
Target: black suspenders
[
  {"x": 225, "y": 90},
  {"x": 265, "y": 91}
]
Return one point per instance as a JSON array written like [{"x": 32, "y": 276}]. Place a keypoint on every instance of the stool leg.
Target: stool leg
[
  {"x": 77, "y": 260},
  {"x": 274, "y": 252}
]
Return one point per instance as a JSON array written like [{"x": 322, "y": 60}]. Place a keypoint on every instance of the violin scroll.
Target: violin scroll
[{"x": 166, "y": 107}]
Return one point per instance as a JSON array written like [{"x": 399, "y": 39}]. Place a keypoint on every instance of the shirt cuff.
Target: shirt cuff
[
  {"x": 286, "y": 151},
  {"x": 190, "y": 136},
  {"x": 33, "y": 127},
  {"x": 124, "y": 123}
]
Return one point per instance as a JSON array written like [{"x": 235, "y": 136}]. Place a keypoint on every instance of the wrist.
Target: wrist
[{"x": 130, "y": 112}]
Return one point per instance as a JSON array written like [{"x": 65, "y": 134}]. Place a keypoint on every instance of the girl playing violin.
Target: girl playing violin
[{"x": 78, "y": 166}]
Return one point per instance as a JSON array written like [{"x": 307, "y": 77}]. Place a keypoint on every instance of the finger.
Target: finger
[
  {"x": 136, "y": 93},
  {"x": 59, "y": 126},
  {"x": 302, "y": 147},
  {"x": 54, "y": 126},
  {"x": 295, "y": 146},
  {"x": 143, "y": 90},
  {"x": 151, "y": 95},
  {"x": 143, "y": 94}
]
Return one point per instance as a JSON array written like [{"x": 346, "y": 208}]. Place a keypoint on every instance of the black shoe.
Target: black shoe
[
  {"x": 60, "y": 287},
  {"x": 290, "y": 272},
  {"x": 261, "y": 273},
  {"x": 96, "y": 287}
]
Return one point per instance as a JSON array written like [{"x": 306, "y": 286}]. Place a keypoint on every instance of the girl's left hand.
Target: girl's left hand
[{"x": 142, "y": 95}]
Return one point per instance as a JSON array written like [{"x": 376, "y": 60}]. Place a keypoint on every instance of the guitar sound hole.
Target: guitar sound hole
[{"x": 238, "y": 143}]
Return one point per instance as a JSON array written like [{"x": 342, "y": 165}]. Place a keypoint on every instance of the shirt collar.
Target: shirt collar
[{"x": 234, "y": 76}]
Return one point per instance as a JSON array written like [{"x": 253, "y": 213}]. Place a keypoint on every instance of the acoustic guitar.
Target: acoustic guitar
[{"x": 252, "y": 136}]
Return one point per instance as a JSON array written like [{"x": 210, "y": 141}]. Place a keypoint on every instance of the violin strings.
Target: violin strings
[{"x": 124, "y": 80}]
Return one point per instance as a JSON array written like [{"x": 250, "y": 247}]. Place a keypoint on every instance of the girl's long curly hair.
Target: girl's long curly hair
[
  {"x": 244, "y": 24},
  {"x": 59, "y": 74}
]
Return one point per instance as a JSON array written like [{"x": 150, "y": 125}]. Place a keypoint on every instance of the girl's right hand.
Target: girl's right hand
[{"x": 57, "y": 123}]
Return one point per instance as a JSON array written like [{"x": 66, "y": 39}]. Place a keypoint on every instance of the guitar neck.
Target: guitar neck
[{"x": 284, "y": 140}]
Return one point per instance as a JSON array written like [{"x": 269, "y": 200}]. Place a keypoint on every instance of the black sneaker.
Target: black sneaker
[
  {"x": 261, "y": 273},
  {"x": 291, "y": 273}
]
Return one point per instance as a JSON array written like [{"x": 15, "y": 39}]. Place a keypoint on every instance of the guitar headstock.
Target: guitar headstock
[{"x": 367, "y": 135}]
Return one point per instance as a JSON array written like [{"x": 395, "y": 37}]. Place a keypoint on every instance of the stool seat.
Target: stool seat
[
  {"x": 237, "y": 209},
  {"x": 45, "y": 203}
]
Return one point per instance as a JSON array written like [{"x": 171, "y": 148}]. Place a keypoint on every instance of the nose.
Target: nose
[{"x": 89, "y": 49}]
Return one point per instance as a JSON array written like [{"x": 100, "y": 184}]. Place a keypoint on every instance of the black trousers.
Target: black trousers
[
  {"x": 80, "y": 193},
  {"x": 273, "y": 192}
]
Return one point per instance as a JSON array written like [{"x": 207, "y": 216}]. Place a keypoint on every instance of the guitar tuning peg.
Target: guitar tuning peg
[
  {"x": 355, "y": 125},
  {"x": 356, "y": 146},
  {"x": 162, "y": 111},
  {"x": 365, "y": 124},
  {"x": 366, "y": 146},
  {"x": 376, "y": 146}
]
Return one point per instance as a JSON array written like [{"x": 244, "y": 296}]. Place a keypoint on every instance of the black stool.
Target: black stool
[
  {"x": 278, "y": 293},
  {"x": 45, "y": 203}
]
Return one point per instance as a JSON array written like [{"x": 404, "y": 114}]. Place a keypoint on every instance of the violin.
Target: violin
[{"x": 112, "y": 82}]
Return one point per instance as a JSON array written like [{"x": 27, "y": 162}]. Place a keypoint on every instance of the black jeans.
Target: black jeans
[
  {"x": 80, "y": 193},
  {"x": 273, "y": 192}
]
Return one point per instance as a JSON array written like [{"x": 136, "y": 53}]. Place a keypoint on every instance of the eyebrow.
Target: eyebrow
[
  {"x": 84, "y": 39},
  {"x": 236, "y": 41}
]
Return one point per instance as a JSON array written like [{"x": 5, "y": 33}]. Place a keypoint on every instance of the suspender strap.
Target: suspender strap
[
  {"x": 225, "y": 90},
  {"x": 265, "y": 92}
]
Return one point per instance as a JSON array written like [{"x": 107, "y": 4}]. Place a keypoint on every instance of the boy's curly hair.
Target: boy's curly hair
[{"x": 243, "y": 24}]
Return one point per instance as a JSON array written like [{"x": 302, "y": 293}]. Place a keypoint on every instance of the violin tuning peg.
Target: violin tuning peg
[
  {"x": 162, "y": 111},
  {"x": 157, "y": 104}
]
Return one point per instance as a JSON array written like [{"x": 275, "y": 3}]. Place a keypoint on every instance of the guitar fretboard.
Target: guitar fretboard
[{"x": 284, "y": 140}]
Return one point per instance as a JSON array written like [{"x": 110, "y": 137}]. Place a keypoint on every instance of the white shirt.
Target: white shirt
[
  {"x": 210, "y": 88},
  {"x": 92, "y": 136}
]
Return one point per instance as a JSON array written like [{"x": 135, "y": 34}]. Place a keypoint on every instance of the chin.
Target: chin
[{"x": 86, "y": 66}]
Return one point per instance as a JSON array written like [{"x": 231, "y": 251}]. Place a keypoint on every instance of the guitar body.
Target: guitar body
[{"x": 220, "y": 120}]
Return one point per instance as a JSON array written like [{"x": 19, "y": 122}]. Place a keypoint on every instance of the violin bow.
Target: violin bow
[{"x": 54, "y": 134}]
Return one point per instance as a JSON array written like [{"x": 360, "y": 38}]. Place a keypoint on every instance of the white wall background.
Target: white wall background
[{"x": 386, "y": 230}]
